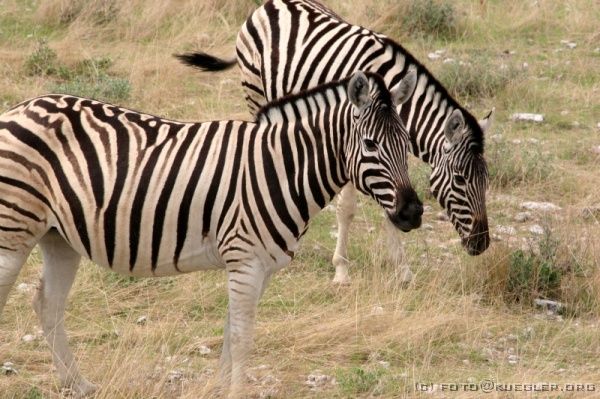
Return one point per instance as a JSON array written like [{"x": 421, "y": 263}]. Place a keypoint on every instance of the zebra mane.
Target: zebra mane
[
  {"x": 383, "y": 93},
  {"x": 470, "y": 120}
]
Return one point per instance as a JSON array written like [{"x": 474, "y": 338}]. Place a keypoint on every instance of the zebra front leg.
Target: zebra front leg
[
  {"x": 11, "y": 262},
  {"x": 60, "y": 266},
  {"x": 246, "y": 282},
  {"x": 345, "y": 210}
]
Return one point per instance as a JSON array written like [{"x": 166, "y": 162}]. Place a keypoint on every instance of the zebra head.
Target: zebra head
[
  {"x": 459, "y": 180},
  {"x": 376, "y": 151}
]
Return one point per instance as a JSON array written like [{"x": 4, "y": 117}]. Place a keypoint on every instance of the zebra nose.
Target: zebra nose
[
  {"x": 408, "y": 212},
  {"x": 479, "y": 239}
]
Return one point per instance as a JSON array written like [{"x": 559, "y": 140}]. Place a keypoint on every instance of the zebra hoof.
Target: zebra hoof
[
  {"x": 341, "y": 279},
  {"x": 80, "y": 389}
]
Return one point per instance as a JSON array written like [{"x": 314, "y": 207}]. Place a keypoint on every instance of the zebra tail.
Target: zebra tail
[{"x": 205, "y": 62}]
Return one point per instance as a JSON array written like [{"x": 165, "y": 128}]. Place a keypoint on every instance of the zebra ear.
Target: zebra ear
[
  {"x": 405, "y": 88},
  {"x": 358, "y": 90},
  {"x": 454, "y": 127},
  {"x": 487, "y": 121}
]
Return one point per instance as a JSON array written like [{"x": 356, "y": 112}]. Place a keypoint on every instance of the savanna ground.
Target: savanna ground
[{"x": 461, "y": 319}]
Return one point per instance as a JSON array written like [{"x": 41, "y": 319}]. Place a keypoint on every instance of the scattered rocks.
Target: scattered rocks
[
  {"x": 551, "y": 306},
  {"x": 442, "y": 216},
  {"x": 522, "y": 217},
  {"x": 317, "y": 380},
  {"x": 537, "y": 230},
  {"x": 540, "y": 206},
  {"x": 8, "y": 368},
  {"x": 142, "y": 320},
  {"x": 527, "y": 117},
  {"x": 507, "y": 230}
]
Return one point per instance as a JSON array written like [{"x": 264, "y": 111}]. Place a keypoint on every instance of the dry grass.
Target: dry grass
[{"x": 453, "y": 323}]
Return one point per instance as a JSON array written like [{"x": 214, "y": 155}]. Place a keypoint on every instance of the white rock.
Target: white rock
[
  {"x": 552, "y": 306},
  {"x": 8, "y": 368},
  {"x": 529, "y": 117},
  {"x": 540, "y": 206},
  {"x": 317, "y": 379},
  {"x": 449, "y": 61},
  {"x": 174, "y": 376},
  {"x": 533, "y": 141},
  {"x": 536, "y": 229},
  {"x": 203, "y": 350},
  {"x": 497, "y": 137},
  {"x": 507, "y": 230},
  {"x": 333, "y": 234},
  {"x": 596, "y": 149},
  {"x": 24, "y": 287},
  {"x": 427, "y": 226},
  {"x": 371, "y": 229},
  {"x": 142, "y": 320},
  {"x": 513, "y": 359},
  {"x": 377, "y": 310},
  {"x": 512, "y": 337},
  {"x": 598, "y": 125},
  {"x": 516, "y": 141},
  {"x": 28, "y": 338},
  {"x": 525, "y": 65},
  {"x": 427, "y": 208},
  {"x": 434, "y": 56},
  {"x": 522, "y": 217},
  {"x": 384, "y": 364}
]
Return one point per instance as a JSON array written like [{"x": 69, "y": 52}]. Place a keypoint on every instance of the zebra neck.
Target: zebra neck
[{"x": 309, "y": 157}]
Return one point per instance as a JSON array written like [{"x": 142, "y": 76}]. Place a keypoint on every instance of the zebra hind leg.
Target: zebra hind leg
[
  {"x": 60, "y": 266},
  {"x": 345, "y": 210}
]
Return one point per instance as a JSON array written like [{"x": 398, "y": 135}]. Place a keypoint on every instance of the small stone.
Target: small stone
[
  {"x": 525, "y": 65},
  {"x": 434, "y": 56},
  {"x": 333, "y": 234},
  {"x": 466, "y": 362},
  {"x": 28, "y": 338},
  {"x": 203, "y": 350},
  {"x": 24, "y": 287},
  {"x": 552, "y": 306},
  {"x": 449, "y": 61},
  {"x": 540, "y": 206},
  {"x": 142, "y": 320},
  {"x": 427, "y": 226},
  {"x": 427, "y": 208},
  {"x": 497, "y": 137},
  {"x": 507, "y": 230},
  {"x": 522, "y": 217},
  {"x": 513, "y": 359},
  {"x": 596, "y": 149},
  {"x": 560, "y": 371},
  {"x": 516, "y": 141},
  {"x": 512, "y": 337},
  {"x": 174, "y": 376},
  {"x": 442, "y": 216},
  {"x": 537, "y": 230},
  {"x": 533, "y": 141},
  {"x": 377, "y": 310},
  {"x": 316, "y": 379},
  {"x": 527, "y": 117}
]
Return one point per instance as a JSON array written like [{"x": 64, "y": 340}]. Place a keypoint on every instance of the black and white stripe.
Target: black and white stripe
[
  {"x": 286, "y": 46},
  {"x": 147, "y": 196}
]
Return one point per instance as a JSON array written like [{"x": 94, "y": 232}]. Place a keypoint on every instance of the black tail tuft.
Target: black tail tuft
[{"x": 205, "y": 62}]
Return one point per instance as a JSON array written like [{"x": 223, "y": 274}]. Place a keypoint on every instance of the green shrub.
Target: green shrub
[
  {"x": 43, "y": 61},
  {"x": 358, "y": 380},
  {"x": 476, "y": 78},
  {"x": 431, "y": 17},
  {"x": 513, "y": 164},
  {"x": 534, "y": 275}
]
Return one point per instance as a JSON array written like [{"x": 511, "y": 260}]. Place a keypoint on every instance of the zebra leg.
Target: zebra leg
[
  {"x": 60, "y": 266},
  {"x": 11, "y": 263},
  {"x": 245, "y": 284},
  {"x": 346, "y": 208}
]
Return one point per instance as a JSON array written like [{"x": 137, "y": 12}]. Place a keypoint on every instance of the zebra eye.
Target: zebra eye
[
  {"x": 460, "y": 180},
  {"x": 370, "y": 145}
]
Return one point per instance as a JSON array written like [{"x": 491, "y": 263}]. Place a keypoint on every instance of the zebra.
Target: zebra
[
  {"x": 81, "y": 177},
  {"x": 287, "y": 46}
]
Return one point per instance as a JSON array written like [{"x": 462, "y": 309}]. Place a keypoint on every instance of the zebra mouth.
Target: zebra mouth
[{"x": 403, "y": 224}]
